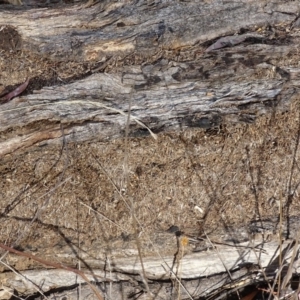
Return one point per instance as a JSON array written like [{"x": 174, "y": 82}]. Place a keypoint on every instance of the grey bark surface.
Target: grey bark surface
[
  {"x": 156, "y": 68},
  {"x": 201, "y": 273},
  {"x": 199, "y": 90}
]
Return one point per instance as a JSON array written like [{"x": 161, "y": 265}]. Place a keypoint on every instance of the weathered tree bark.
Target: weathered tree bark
[
  {"x": 237, "y": 262},
  {"x": 157, "y": 68},
  {"x": 148, "y": 60}
]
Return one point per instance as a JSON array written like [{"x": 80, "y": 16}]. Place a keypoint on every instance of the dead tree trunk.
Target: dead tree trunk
[
  {"x": 150, "y": 58},
  {"x": 170, "y": 66}
]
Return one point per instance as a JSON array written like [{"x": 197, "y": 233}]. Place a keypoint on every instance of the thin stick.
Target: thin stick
[
  {"x": 280, "y": 242},
  {"x": 97, "y": 212},
  {"x": 218, "y": 255},
  {"x": 132, "y": 208},
  {"x": 178, "y": 280}
]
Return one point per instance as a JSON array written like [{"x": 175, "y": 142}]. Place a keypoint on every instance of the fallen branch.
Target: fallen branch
[{"x": 54, "y": 265}]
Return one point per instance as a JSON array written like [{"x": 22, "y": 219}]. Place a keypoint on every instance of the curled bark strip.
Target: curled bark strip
[
  {"x": 227, "y": 41},
  {"x": 15, "y": 92}
]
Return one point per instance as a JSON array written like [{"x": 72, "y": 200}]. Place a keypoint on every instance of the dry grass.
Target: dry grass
[{"x": 234, "y": 174}]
